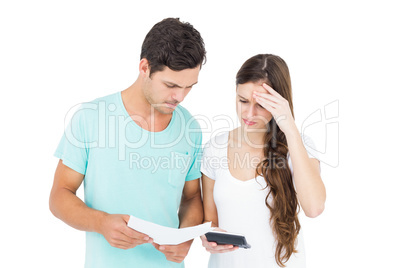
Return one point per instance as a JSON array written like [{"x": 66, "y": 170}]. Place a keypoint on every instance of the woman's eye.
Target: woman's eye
[{"x": 242, "y": 101}]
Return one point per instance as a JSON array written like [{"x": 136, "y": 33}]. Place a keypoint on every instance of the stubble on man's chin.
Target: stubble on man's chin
[
  {"x": 161, "y": 108},
  {"x": 165, "y": 111}
]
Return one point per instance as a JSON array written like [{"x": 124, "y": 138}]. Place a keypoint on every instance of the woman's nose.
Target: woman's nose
[{"x": 251, "y": 111}]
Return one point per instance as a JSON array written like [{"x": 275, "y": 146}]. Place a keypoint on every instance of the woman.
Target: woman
[{"x": 255, "y": 176}]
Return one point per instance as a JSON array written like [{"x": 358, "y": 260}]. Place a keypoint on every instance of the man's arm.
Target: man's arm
[
  {"x": 190, "y": 214},
  {"x": 191, "y": 211},
  {"x": 65, "y": 205}
]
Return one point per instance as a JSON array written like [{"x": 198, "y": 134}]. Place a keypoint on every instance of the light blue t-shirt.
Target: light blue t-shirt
[{"x": 129, "y": 170}]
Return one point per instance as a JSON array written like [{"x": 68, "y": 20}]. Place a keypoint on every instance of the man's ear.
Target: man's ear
[{"x": 144, "y": 67}]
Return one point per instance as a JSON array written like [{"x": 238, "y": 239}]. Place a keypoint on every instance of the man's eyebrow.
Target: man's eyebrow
[{"x": 176, "y": 85}]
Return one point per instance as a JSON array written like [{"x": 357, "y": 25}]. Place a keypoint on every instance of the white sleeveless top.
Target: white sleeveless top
[{"x": 241, "y": 209}]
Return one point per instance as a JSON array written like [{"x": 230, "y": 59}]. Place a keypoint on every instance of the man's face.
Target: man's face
[{"x": 164, "y": 90}]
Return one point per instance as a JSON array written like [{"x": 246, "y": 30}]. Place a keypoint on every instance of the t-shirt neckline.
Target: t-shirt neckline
[
  {"x": 249, "y": 181},
  {"x": 132, "y": 122}
]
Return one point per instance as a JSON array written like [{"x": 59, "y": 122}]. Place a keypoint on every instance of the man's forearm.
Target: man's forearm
[
  {"x": 191, "y": 212},
  {"x": 66, "y": 206}
]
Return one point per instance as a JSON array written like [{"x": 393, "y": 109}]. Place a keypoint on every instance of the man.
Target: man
[{"x": 137, "y": 152}]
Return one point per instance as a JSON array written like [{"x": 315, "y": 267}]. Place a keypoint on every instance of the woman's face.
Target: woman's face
[{"x": 252, "y": 116}]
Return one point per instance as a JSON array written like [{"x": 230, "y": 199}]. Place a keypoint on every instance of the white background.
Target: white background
[{"x": 55, "y": 54}]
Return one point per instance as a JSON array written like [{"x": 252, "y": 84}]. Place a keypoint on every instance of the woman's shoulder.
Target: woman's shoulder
[
  {"x": 218, "y": 139},
  {"x": 217, "y": 144},
  {"x": 214, "y": 154}
]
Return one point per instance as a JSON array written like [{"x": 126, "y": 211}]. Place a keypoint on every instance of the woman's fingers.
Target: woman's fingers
[
  {"x": 213, "y": 247},
  {"x": 272, "y": 91},
  {"x": 269, "y": 105},
  {"x": 267, "y": 96},
  {"x": 222, "y": 247},
  {"x": 223, "y": 250},
  {"x": 206, "y": 244},
  {"x": 273, "y": 96}
]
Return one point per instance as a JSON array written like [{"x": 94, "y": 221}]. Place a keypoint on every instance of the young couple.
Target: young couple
[{"x": 263, "y": 173}]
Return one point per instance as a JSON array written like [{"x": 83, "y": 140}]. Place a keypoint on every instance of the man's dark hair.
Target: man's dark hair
[{"x": 174, "y": 44}]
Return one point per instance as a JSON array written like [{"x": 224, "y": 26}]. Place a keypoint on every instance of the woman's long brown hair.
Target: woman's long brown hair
[{"x": 281, "y": 199}]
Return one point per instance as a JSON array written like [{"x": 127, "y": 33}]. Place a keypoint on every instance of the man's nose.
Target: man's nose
[{"x": 179, "y": 95}]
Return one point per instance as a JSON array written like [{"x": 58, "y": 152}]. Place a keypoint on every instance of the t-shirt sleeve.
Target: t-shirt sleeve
[
  {"x": 207, "y": 161},
  {"x": 194, "y": 170},
  {"x": 73, "y": 149},
  {"x": 309, "y": 145}
]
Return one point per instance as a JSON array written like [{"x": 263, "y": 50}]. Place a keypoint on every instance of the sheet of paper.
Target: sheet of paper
[{"x": 168, "y": 236}]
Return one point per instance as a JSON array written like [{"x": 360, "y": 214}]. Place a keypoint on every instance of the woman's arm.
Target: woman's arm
[
  {"x": 211, "y": 214},
  {"x": 309, "y": 186},
  {"x": 306, "y": 174}
]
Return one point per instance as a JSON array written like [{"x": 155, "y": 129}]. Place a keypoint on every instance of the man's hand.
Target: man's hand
[
  {"x": 115, "y": 230},
  {"x": 174, "y": 253}
]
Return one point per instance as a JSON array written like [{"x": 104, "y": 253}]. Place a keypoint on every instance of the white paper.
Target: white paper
[{"x": 165, "y": 235}]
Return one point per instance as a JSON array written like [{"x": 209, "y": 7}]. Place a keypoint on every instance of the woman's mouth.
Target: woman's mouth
[{"x": 249, "y": 123}]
